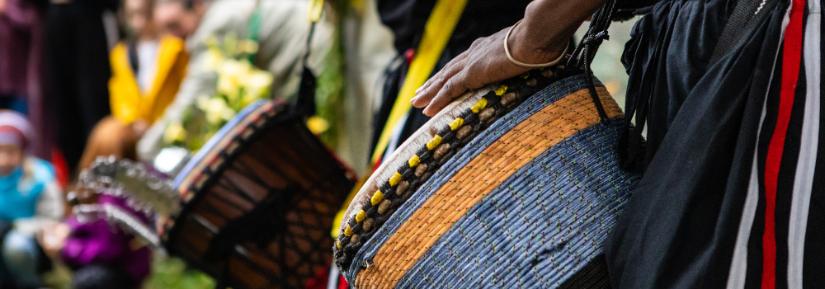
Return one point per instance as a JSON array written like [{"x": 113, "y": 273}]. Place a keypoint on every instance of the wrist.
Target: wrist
[
  {"x": 532, "y": 49},
  {"x": 549, "y": 25}
]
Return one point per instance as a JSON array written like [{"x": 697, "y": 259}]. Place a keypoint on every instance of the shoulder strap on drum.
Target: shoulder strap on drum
[
  {"x": 440, "y": 26},
  {"x": 305, "y": 101}
]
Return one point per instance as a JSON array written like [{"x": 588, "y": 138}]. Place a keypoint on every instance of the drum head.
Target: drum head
[{"x": 260, "y": 200}]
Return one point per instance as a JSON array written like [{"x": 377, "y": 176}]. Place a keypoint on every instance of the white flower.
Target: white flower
[
  {"x": 174, "y": 133},
  {"x": 231, "y": 74},
  {"x": 256, "y": 86},
  {"x": 215, "y": 109},
  {"x": 214, "y": 58}
]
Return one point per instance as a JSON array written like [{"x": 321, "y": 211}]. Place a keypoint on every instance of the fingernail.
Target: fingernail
[{"x": 414, "y": 99}]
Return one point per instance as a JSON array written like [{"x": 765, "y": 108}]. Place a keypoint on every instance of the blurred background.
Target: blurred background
[{"x": 152, "y": 81}]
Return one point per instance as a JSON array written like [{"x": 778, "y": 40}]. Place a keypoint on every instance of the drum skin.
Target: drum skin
[
  {"x": 525, "y": 203},
  {"x": 259, "y": 201}
]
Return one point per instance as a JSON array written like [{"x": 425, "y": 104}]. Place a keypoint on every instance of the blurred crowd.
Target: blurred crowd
[{"x": 81, "y": 79}]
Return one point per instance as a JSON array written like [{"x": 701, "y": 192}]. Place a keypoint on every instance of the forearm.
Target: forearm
[{"x": 548, "y": 25}]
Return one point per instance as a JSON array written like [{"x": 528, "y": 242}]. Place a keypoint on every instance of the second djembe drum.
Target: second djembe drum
[{"x": 258, "y": 202}]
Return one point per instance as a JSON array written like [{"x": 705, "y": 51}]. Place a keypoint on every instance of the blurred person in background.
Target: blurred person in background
[
  {"x": 19, "y": 26},
  {"x": 281, "y": 36},
  {"x": 101, "y": 255},
  {"x": 180, "y": 17},
  {"x": 147, "y": 67},
  {"x": 77, "y": 71},
  {"x": 29, "y": 202},
  {"x": 147, "y": 70},
  {"x": 21, "y": 61}
]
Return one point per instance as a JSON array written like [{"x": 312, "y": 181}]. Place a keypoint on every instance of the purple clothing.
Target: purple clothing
[{"x": 98, "y": 242}]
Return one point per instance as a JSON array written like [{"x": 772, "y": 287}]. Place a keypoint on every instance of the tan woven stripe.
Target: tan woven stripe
[{"x": 472, "y": 183}]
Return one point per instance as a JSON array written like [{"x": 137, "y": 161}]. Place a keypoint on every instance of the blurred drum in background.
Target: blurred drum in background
[
  {"x": 255, "y": 206},
  {"x": 259, "y": 201}
]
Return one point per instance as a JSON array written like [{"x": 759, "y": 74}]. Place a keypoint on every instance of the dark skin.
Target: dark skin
[{"x": 541, "y": 37}]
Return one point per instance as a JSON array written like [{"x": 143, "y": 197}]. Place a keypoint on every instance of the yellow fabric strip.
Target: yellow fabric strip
[
  {"x": 437, "y": 32},
  {"x": 127, "y": 102},
  {"x": 472, "y": 183}
]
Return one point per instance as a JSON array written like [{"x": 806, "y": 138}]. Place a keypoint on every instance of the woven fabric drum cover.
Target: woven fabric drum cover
[
  {"x": 526, "y": 203},
  {"x": 259, "y": 201}
]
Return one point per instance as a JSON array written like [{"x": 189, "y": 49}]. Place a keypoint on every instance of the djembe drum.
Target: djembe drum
[
  {"x": 514, "y": 186},
  {"x": 253, "y": 208},
  {"x": 258, "y": 202}
]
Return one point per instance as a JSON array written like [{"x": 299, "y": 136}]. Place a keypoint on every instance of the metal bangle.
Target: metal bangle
[{"x": 528, "y": 65}]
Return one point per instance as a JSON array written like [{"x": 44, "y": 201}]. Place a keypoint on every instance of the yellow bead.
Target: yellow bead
[
  {"x": 360, "y": 216},
  {"x": 338, "y": 244},
  {"x": 376, "y": 198},
  {"x": 348, "y": 231},
  {"x": 501, "y": 90},
  {"x": 479, "y": 105},
  {"x": 414, "y": 161},
  {"x": 434, "y": 142},
  {"x": 395, "y": 179},
  {"x": 457, "y": 123}
]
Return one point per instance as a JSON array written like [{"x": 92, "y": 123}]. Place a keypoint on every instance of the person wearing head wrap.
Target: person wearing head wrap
[{"x": 30, "y": 199}]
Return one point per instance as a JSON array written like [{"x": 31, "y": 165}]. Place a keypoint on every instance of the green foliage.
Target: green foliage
[
  {"x": 167, "y": 273},
  {"x": 171, "y": 273}
]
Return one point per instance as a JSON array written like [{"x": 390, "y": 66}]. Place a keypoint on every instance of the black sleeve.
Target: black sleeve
[{"x": 405, "y": 18}]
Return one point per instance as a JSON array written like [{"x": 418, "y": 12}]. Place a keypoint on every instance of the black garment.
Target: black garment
[
  {"x": 77, "y": 72},
  {"x": 680, "y": 226},
  {"x": 407, "y": 18}
]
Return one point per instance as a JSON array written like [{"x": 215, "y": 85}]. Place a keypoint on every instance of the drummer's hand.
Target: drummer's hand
[
  {"x": 542, "y": 36},
  {"x": 483, "y": 63}
]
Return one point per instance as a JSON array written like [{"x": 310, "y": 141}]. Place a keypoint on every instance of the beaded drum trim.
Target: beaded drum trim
[{"x": 392, "y": 192}]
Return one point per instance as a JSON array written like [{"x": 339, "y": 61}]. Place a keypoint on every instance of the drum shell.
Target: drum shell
[
  {"x": 259, "y": 202},
  {"x": 525, "y": 204}
]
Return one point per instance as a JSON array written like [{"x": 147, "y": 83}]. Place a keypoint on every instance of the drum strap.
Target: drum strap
[
  {"x": 305, "y": 103},
  {"x": 437, "y": 32}
]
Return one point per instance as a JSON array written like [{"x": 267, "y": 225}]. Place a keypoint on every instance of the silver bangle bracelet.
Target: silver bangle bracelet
[{"x": 528, "y": 65}]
